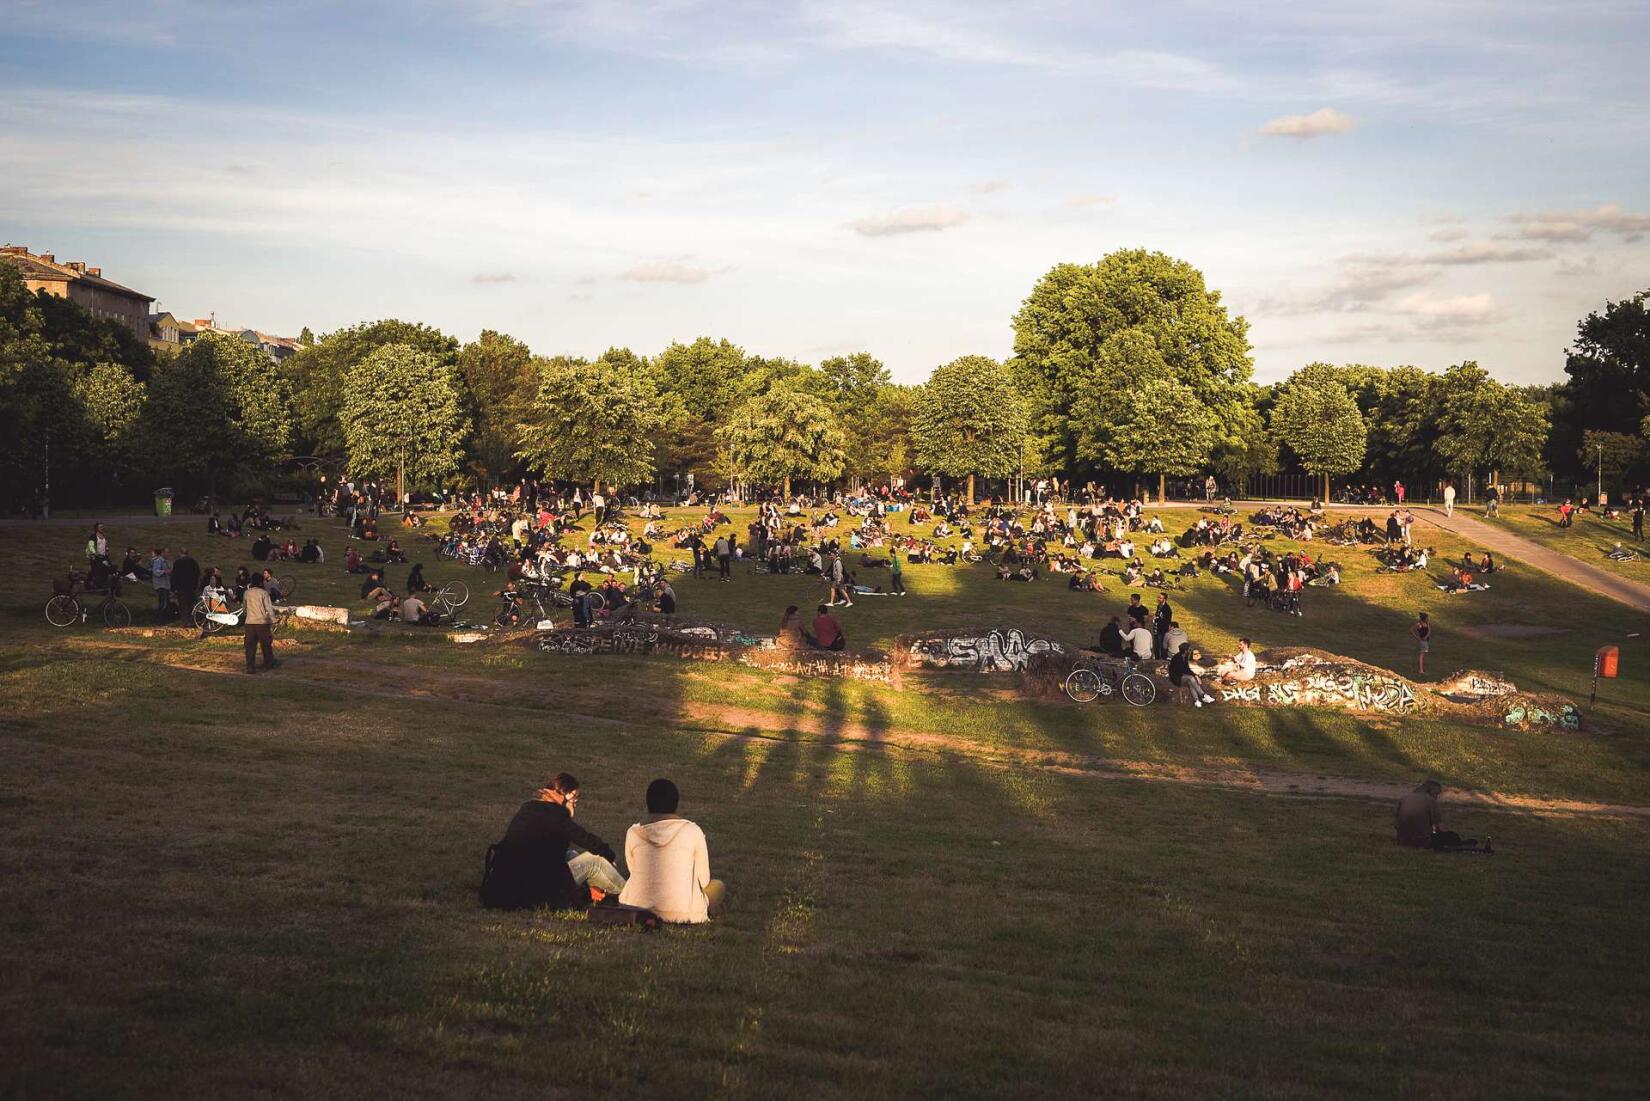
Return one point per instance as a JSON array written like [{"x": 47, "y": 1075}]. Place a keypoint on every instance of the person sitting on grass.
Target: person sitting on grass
[
  {"x": 791, "y": 636},
  {"x": 417, "y": 613},
  {"x": 393, "y": 552},
  {"x": 312, "y": 552},
  {"x": 1137, "y": 642},
  {"x": 531, "y": 866},
  {"x": 669, "y": 863},
  {"x": 827, "y": 633},
  {"x": 1185, "y": 672},
  {"x": 1111, "y": 638},
  {"x": 1420, "y": 824},
  {"x": 415, "y": 579},
  {"x": 1240, "y": 667}
]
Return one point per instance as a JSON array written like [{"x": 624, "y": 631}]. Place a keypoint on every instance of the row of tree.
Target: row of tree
[{"x": 1129, "y": 367}]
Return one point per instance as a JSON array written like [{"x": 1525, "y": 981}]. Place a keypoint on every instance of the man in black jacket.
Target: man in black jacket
[{"x": 530, "y": 865}]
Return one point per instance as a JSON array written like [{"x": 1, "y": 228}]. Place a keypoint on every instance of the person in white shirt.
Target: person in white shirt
[
  {"x": 1137, "y": 643},
  {"x": 1242, "y": 665},
  {"x": 669, "y": 863}
]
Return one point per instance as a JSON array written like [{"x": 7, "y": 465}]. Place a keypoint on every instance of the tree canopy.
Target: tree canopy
[
  {"x": 784, "y": 434},
  {"x": 969, "y": 419},
  {"x": 402, "y": 412},
  {"x": 1316, "y": 418},
  {"x": 1486, "y": 427},
  {"x": 1087, "y": 328},
  {"x": 217, "y": 411},
  {"x": 593, "y": 422},
  {"x": 501, "y": 380},
  {"x": 316, "y": 375}
]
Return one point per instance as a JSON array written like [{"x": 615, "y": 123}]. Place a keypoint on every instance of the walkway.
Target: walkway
[{"x": 1634, "y": 594}]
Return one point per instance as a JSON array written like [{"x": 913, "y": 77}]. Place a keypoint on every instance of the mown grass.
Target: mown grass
[
  {"x": 1589, "y": 538},
  {"x": 219, "y": 885},
  {"x": 214, "y": 886}
]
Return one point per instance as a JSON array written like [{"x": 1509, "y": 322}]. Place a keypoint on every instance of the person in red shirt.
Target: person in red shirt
[{"x": 827, "y": 633}]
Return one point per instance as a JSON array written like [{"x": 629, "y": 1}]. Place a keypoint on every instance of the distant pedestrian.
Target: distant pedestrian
[
  {"x": 897, "y": 583},
  {"x": 1638, "y": 520},
  {"x": 1422, "y": 633},
  {"x": 1398, "y": 491},
  {"x": 1449, "y": 498},
  {"x": 160, "y": 576}
]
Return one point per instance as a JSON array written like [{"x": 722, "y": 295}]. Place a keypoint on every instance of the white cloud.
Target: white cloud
[
  {"x": 1487, "y": 254},
  {"x": 493, "y": 277},
  {"x": 1464, "y": 307},
  {"x": 1576, "y": 225},
  {"x": 1325, "y": 120},
  {"x": 1448, "y": 233},
  {"x": 920, "y": 220},
  {"x": 665, "y": 271},
  {"x": 1091, "y": 200}
]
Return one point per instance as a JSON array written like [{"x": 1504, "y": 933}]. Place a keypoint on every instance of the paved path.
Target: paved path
[{"x": 1634, "y": 594}]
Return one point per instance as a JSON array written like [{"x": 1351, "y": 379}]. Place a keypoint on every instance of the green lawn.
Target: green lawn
[
  {"x": 1588, "y": 538},
  {"x": 215, "y": 885}
]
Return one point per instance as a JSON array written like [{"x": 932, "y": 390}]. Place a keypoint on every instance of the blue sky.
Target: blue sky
[{"x": 1394, "y": 182}]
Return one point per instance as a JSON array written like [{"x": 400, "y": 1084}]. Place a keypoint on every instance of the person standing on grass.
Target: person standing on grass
[
  {"x": 1398, "y": 491},
  {"x": 1162, "y": 616},
  {"x": 1449, "y": 498},
  {"x": 724, "y": 559},
  {"x": 896, "y": 583},
  {"x": 1421, "y": 632},
  {"x": 186, "y": 580},
  {"x": 260, "y": 625},
  {"x": 160, "y": 576},
  {"x": 1638, "y": 520}
]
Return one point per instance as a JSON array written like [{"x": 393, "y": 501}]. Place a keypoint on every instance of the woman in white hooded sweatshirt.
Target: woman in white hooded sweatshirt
[{"x": 669, "y": 862}]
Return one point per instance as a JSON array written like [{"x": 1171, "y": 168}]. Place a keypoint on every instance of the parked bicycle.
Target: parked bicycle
[
  {"x": 66, "y": 608},
  {"x": 1100, "y": 678}
]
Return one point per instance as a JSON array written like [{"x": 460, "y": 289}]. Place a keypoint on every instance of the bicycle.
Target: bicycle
[
  {"x": 65, "y": 609},
  {"x": 450, "y": 597},
  {"x": 514, "y": 611},
  {"x": 1089, "y": 682}
]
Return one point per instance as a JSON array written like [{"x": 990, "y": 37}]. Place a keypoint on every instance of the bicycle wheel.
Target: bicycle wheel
[
  {"x": 197, "y": 615},
  {"x": 116, "y": 614},
  {"x": 62, "y": 611},
  {"x": 1139, "y": 689},
  {"x": 288, "y": 585},
  {"x": 1083, "y": 685},
  {"x": 596, "y": 602},
  {"x": 455, "y": 594}
]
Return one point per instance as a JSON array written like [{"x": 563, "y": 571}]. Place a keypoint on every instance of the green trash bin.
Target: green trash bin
[{"x": 163, "y": 502}]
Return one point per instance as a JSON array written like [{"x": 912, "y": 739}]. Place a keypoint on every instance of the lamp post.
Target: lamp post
[{"x": 1600, "y": 473}]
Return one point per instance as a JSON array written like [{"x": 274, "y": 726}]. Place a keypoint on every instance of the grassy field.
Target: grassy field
[
  {"x": 217, "y": 885},
  {"x": 1588, "y": 538}
]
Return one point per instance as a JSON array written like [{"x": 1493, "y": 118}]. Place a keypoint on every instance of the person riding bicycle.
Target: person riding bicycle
[{"x": 510, "y": 613}]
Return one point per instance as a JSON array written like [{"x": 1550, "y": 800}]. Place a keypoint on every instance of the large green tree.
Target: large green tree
[
  {"x": 1486, "y": 427},
  {"x": 499, "y": 374},
  {"x": 593, "y": 422},
  {"x": 1134, "y": 414},
  {"x": 969, "y": 419},
  {"x": 403, "y": 414},
  {"x": 702, "y": 383},
  {"x": 316, "y": 375},
  {"x": 784, "y": 434},
  {"x": 218, "y": 412},
  {"x": 111, "y": 404},
  {"x": 1316, "y": 418},
  {"x": 1084, "y": 326}
]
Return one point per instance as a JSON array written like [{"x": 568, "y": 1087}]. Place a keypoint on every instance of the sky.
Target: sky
[{"x": 1396, "y": 182}]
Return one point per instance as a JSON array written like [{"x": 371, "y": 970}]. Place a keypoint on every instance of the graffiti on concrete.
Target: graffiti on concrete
[
  {"x": 1473, "y": 685},
  {"x": 1529, "y": 713},
  {"x": 1356, "y": 691},
  {"x": 700, "y": 643},
  {"x": 996, "y": 651}
]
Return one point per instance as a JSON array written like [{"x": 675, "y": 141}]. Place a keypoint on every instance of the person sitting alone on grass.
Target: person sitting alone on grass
[
  {"x": 1185, "y": 672},
  {"x": 669, "y": 863},
  {"x": 1420, "y": 824},
  {"x": 534, "y": 863},
  {"x": 827, "y": 633},
  {"x": 1240, "y": 667}
]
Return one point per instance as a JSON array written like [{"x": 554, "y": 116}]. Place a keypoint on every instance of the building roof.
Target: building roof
[
  {"x": 45, "y": 268},
  {"x": 166, "y": 316}
]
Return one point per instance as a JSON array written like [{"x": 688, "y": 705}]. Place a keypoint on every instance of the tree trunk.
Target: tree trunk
[
  {"x": 1326, "y": 491},
  {"x": 786, "y": 492},
  {"x": 1162, "y": 497},
  {"x": 971, "y": 491}
]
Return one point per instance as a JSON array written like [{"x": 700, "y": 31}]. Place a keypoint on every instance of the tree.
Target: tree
[
  {"x": 593, "y": 422},
  {"x": 874, "y": 414},
  {"x": 1134, "y": 414},
  {"x": 1609, "y": 368},
  {"x": 784, "y": 434},
  {"x": 402, "y": 413},
  {"x": 1317, "y": 419},
  {"x": 111, "y": 404},
  {"x": 499, "y": 374},
  {"x": 702, "y": 384},
  {"x": 1081, "y": 322},
  {"x": 316, "y": 374},
  {"x": 1244, "y": 447},
  {"x": 1610, "y": 453},
  {"x": 306, "y": 338},
  {"x": 968, "y": 420},
  {"x": 217, "y": 411},
  {"x": 1484, "y": 426}
]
